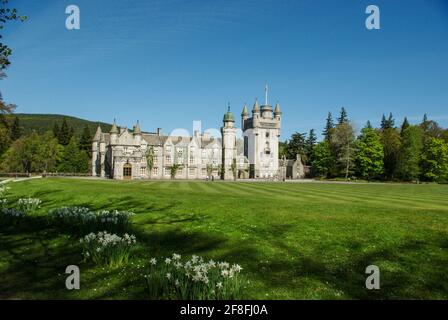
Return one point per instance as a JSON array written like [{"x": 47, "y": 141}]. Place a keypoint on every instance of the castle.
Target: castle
[{"x": 121, "y": 154}]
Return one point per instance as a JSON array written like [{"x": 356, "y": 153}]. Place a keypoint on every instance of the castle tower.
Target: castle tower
[
  {"x": 95, "y": 150},
  {"x": 261, "y": 134},
  {"x": 228, "y": 132},
  {"x": 137, "y": 133},
  {"x": 114, "y": 133}
]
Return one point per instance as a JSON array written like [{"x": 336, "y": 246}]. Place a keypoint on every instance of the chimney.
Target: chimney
[{"x": 159, "y": 131}]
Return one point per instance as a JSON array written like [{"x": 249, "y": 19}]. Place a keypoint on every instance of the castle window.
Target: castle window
[
  {"x": 191, "y": 171},
  {"x": 143, "y": 170},
  {"x": 155, "y": 170},
  {"x": 168, "y": 159},
  {"x": 191, "y": 159}
]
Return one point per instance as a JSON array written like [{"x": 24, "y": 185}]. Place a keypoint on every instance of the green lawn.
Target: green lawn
[{"x": 294, "y": 241}]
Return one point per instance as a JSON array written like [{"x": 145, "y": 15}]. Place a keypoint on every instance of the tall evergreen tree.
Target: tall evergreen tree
[
  {"x": 369, "y": 125},
  {"x": 329, "y": 127},
  {"x": 391, "y": 141},
  {"x": 16, "y": 131},
  {"x": 297, "y": 146},
  {"x": 408, "y": 166},
  {"x": 85, "y": 142},
  {"x": 404, "y": 126},
  {"x": 64, "y": 133},
  {"x": 56, "y": 130},
  {"x": 310, "y": 143},
  {"x": 343, "y": 117},
  {"x": 387, "y": 123}
]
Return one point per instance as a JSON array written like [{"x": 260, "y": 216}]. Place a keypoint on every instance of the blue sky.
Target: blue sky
[{"x": 169, "y": 62}]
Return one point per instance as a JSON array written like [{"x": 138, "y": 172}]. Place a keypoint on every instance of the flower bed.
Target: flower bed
[
  {"x": 107, "y": 249},
  {"x": 193, "y": 279}
]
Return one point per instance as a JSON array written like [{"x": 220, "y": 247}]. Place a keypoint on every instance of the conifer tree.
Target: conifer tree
[
  {"x": 329, "y": 127},
  {"x": 343, "y": 117}
]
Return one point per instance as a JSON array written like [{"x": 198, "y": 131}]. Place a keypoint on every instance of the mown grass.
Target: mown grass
[{"x": 294, "y": 241}]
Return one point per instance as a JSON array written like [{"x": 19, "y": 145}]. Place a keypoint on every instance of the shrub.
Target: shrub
[
  {"x": 28, "y": 205},
  {"x": 11, "y": 216},
  {"x": 193, "y": 279},
  {"x": 107, "y": 249},
  {"x": 89, "y": 221}
]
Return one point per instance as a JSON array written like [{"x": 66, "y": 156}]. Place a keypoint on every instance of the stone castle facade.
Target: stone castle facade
[{"x": 122, "y": 154}]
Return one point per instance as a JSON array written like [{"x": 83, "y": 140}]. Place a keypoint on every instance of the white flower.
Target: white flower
[
  {"x": 219, "y": 285},
  {"x": 225, "y": 273},
  {"x": 177, "y": 283},
  {"x": 167, "y": 260},
  {"x": 153, "y": 261},
  {"x": 176, "y": 256},
  {"x": 168, "y": 275}
]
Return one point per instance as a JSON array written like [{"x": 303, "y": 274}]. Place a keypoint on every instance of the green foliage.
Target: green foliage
[
  {"x": 16, "y": 131},
  {"x": 85, "y": 142},
  {"x": 369, "y": 154},
  {"x": 174, "y": 279},
  {"x": 33, "y": 153},
  {"x": 322, "y": 160},
  {"x": 434, "y": 161},
  {"x": 73, "y": 159},
  {"x": 408, "y": 167},
  {"x": 173, "y": 170},
  {"x": 65, "y": 133},
  {"x": 391, "y": 142},
  {"x": 404, "y": 126},
  {"x": 310, "y": 144},
  {"x": 329, "y": 127},
  {"x": 342, "y": 145},
  {"x": 42, "y": 123},
  {"x": 5, "y": 140},
  {"x": 150, "y": 159},
  {"x": 297, "y": 145},
  {"x": 343, "y": 117},
  {"x": 7, "y": 14}
]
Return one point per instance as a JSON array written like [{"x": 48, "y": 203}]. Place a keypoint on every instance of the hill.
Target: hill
[{"x": 45, "y": 122}]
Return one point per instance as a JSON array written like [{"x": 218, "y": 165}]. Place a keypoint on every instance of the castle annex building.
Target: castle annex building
[{"x": 121, "y": 154}]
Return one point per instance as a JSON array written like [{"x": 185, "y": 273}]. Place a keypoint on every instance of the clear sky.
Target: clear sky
[{"x": 169, "y": 62}]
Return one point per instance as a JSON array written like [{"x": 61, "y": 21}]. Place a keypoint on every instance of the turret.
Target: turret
[
  {"x": 278, "y": 114},
  {"x": 95, "y": 150},
  {"x": 244, "y": 116},
  {"x": 137, "y": 133},
  {"x": 113, "y": 133},
  {"x": 228, "y": 132},
  {"x": 255, "y": 113}
]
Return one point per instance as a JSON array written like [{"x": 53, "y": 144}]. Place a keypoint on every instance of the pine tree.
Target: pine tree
[
  {"x": 16, "y": 131},
  {"x": 404, "y": 126},
  {"x": 343, "y": 118},
  {"x": 409, "y": 158},
  {"x": 329, "y": 127},
  {"x": 85, "y": 142},
  {"x": 64, "y": 133},
  {"x": 297, "y": 145},
  {"x": 390, "y": 121},
  {"x": 369, "y": 125},
  {"x": 56, "y": 130},
  {"x": 383, "y": 122},
  {"x": 322, "y": 160},
  {"x": 310, "y": 143}
]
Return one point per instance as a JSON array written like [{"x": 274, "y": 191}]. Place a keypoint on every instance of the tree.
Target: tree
[
  {"x": 297, "y": 145},
  {"x": 343, "y": 117},
  {"x": 391, "y": 142},
  {"x": 321, "y": 160},
  {"x": 343, "y": 147},
  {"x": 404, "y": 126},
  {"x": 282, "y": 149},
  {"x": 369, "y": 154},
  {"x": 389, "y": 123},
  {"x": 7, "y": 14},
  {"x": 64, "y": 133},
  {"x": 369, "y": 125},
  {"x": 329, "y": 127},
  {"x": 310, "y": 143},
  {"x": 408, "y": 166},
  {"x": 5, "y": 139},
  {"x": 56, "y": 130},
  {"x": 150, "y": 159},
  {"x": 434, "y": 163},
  {"x": 85, "y": 142},
  {"x": 16, "y": 131},
  {"x": 32, "y": 153},
  {"x": 73, "y": 159},
  {"x": 234, "y": 169},
  {"x": 173, "y": 170}
]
